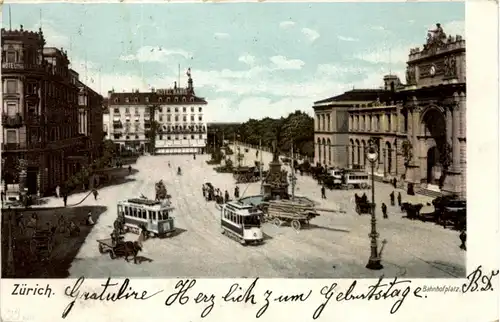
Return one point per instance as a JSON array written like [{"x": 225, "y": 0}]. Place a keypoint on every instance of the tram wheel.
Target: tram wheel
[
  {"x": 364, "y": 186},
  {"x": 223, "y": 232},
  {"x": 350, "y": 187},
  {"x": 112, "y": 254},
  {"x": 277, "y": 222},
  {"x": 296, "y": 225}
]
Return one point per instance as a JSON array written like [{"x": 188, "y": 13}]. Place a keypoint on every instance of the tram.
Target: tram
[
  {"x": 156, "y": 216},
  {"x": 357, "y": 180},
  {"x": 242, "y": 222}
]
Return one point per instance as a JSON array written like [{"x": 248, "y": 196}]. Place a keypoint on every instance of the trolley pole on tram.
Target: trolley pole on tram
[
  {"x": 374, "y": 260},
  {"x": 292, "y": 175},
  {"x": 260, "y": 165}
]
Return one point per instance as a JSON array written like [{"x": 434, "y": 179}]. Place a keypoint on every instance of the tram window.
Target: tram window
[
  {"x": 154, "y": 215},
  {"x": 252, "y": 221},
  {"x": 135, "y": 212},
  {"x": 144, "y": 215},
  {"x": 126, "y": 211}
]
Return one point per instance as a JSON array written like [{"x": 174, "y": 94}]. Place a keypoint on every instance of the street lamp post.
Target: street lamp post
[{"x": 374, "y": 260}]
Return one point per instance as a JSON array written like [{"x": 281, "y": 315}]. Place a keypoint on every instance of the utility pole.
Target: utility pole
[
  {"x": 292, "y": 175},
  {"x": 260, "y": 164},
  {"x": 235, "y": 151}
]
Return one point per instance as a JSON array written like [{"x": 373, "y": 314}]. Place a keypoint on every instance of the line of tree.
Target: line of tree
[{"x": 297, "y": 127}]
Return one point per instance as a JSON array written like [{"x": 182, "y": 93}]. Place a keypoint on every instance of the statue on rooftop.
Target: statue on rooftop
[{"x": 436, "y": 36}]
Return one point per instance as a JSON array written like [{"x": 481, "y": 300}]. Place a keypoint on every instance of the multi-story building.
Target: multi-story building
[
  {"x": 419, "y": 127},
  {"x": 179, "y": 120},
  {"x": 40, "y": 141},
  {"x": 105, "y": 119},
  {"x": 90, "y": 119}
]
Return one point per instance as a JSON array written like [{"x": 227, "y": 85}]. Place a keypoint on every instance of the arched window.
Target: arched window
[
  {"x": 191, "y": 99},
  {"x": 319, "y": 149},
  {"x": 328, "y": 142},
  {"x": 183, "y": 99},
  {"x": 160, "y": 100}
]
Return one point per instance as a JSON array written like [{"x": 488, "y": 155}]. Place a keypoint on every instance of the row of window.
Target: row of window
[
  {"x": 11, "y": 87},
  {"x": 373, "y": 123},
  {"x": 323, "y": 122},
  {"x": 160, "y": 110},
  {"x": 145, "y": 214},
  {"x": 241, "y": 220},
  {"x": 160, "y": 137},
  {"x": 176, "y": 118},
  {"x": 146, "y": 99}
]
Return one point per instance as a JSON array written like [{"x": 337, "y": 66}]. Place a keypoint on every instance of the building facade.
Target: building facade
[
  {"x": 41, "y": 145},
  {"x": 163, "y": 121},
  {"x": 419, "y": 127},
  {"x": 90, "y": 119}
]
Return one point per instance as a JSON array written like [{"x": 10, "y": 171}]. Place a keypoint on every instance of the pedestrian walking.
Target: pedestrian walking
[
  {"x": 3, "y": 196},
  {"x": 399, "y": 199},
  {"x": 65, "y": 199},
  {"x": 384, "y": 210},
  {"x": 95, "y": 193},
  {"x": 236, "y": 192},
  {"x": 203, "y": 190},
  {"x": 58, "y": 191},
  {"x": 391, "y": 196},
  {"x": 226, "y": 196},
  {"x": 463, "y": 239},
  {"x": 129, "y": 169},
  {"x": 90, "y": 221},
  {"x": 323, "y": 192}
]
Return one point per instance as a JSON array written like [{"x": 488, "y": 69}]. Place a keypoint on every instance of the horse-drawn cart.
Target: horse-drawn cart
[
  {"x": 119, "y": 249},
  {"x": 42, "y": 243}
]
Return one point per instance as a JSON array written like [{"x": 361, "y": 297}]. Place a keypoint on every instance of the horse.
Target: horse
[
  {"x": 412, "y": 211},
  {"x": 132, "y": 249}
]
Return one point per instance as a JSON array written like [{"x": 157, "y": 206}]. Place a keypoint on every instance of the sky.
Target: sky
[{"x": 248, "y": 60}]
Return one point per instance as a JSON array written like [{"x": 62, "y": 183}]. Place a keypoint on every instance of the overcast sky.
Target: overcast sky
[{"x": 248, "y": 60}]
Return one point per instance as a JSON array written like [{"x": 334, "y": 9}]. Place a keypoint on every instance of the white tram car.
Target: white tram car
[
  {"x": 357, "y": 180},
  {"x": 156, "y": 216},
  {"x": 242, "y": 222}
]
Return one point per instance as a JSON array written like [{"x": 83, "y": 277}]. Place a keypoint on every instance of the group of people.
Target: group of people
[
  {"x": 392, "y": 199},
  {"x": 210, "y": 193}
]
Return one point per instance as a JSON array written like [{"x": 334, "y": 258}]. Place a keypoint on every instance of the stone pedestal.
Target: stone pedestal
[
  {"x": 452, "y": 183},
  {"x": 412, "y": 174}
]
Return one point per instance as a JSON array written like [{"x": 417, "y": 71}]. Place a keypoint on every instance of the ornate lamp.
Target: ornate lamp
[{"x": 374, "y": 260}]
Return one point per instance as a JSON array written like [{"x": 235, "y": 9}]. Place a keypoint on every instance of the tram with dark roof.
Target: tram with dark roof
[
  {"x": 155, "y": 216},
  {"x": 242, "y": 222}
]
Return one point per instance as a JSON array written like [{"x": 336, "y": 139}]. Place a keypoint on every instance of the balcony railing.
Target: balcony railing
[
  {"x": 21, "y": 66},
  {"x": 21, "y": 146},
  {"x": 12, "y": 121}
]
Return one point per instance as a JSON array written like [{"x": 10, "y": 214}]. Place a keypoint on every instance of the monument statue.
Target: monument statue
[
  {"x": 276, "y": 152},
  {"x": 436, "y": 36}
]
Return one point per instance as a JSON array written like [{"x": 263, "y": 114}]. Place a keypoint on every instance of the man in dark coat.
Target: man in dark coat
[
  {"x": 463, "y": 239},
  {"x": 399, "y": 199},
  {"x": 323, "y": 192},
  {"x": 391, "y": 196},
  {"x": 65, "y": 199},
  {"x": 226, "y": 196},
  {"x": 384, "y": 210},
  {"x": 236, "y": 192}
]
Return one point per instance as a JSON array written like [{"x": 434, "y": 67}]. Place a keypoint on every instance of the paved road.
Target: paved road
[{"x": 336, "y": 245}]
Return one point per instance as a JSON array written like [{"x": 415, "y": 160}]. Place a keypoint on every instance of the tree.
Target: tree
[
  {"x": 152, "y": 133},
  {"x": 445, "y": 158},
  {"x": 407, "y": 152}
]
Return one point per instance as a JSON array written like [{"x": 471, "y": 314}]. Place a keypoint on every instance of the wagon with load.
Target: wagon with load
[{"x": 294, "y": 213}]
